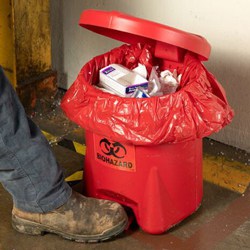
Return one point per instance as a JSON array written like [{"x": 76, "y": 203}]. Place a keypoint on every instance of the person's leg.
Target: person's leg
[
  {"x": 28, "y": 168},
  {"x": 43, "y": 202}
]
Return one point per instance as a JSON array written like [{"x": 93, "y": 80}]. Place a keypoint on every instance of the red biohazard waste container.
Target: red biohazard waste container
[{"x": 147, "y": 153}]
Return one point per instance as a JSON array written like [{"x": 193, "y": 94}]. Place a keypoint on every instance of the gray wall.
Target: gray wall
[{"x": 224, "y": 23}]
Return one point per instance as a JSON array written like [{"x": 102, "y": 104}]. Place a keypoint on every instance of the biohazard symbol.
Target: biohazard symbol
[{"x": 116, "y": 148}]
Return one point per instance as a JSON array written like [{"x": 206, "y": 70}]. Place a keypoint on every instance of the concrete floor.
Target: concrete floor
[{"x": 222, "y": 221}]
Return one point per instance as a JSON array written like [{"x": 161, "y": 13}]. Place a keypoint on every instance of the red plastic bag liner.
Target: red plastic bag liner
[{"x": 198, "y": 109}]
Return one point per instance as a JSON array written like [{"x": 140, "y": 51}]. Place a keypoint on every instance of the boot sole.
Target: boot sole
[{"x": 33, "y": 228}]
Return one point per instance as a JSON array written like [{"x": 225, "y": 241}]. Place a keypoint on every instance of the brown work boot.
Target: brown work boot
[{"x": 81, "y": 219}]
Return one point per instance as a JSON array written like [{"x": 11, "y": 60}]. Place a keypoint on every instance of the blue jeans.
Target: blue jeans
[{"x": 28, "y": 168}]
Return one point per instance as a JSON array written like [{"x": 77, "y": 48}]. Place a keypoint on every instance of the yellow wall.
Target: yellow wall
[
  {"x": 7, "y": 48},
  {"x": 32, "y": 35},
  {"x": 25, "y": 39}
]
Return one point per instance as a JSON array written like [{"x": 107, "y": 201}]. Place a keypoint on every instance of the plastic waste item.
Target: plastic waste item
[
  {"x": 163, "y": 83},
  {"x": 140, "y": 93},
  {"x": 169, "y": 81},
  {"x": 179, "y": 78},
  {"x": 154, "y": 85},
  {"x": 121, "y": 80},
  {"x": 141, "y": 70}
]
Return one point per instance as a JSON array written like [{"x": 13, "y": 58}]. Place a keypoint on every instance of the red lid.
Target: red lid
[{"x": 131, "y": 30}]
